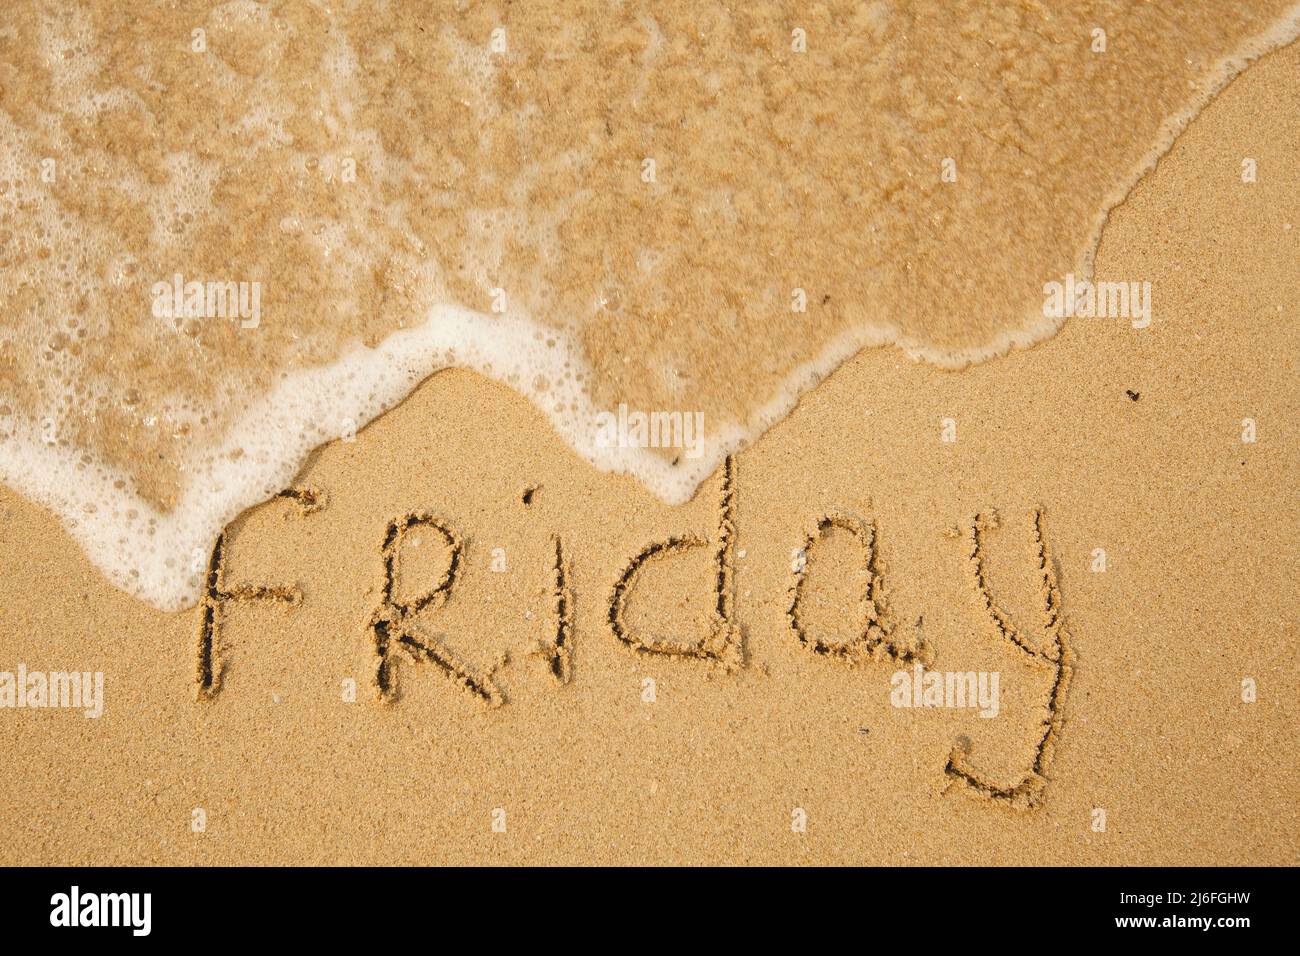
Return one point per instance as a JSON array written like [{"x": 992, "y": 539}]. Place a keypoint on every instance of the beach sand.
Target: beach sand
[{"x": 1121, "y": 439}]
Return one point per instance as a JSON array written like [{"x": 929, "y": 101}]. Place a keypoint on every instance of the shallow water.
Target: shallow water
[{"x": 681, "y": 208}]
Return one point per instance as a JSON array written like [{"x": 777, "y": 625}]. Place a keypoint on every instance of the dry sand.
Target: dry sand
[{"x": 1128, "y": 440}]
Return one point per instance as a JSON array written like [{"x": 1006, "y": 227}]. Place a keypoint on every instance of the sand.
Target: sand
[{"x": 528, "y": 731}]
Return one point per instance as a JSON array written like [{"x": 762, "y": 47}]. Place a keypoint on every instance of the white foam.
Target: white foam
[{"x": 160, "y": 556}]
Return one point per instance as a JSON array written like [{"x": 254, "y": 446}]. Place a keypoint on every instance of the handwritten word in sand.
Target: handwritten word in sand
[{"x": 397, "y": 628}]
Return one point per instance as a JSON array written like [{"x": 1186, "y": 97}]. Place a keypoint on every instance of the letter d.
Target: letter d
[{"x": 724, "y": 639}]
